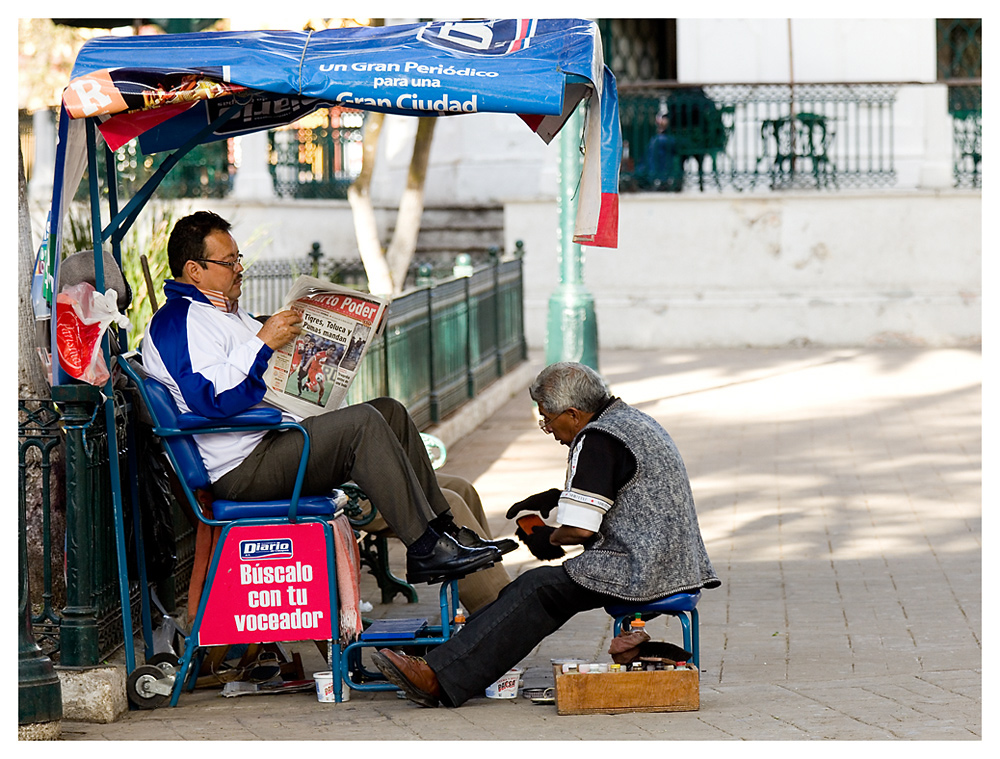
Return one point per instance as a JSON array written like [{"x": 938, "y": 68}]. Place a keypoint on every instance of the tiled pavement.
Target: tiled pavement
[{"x": 840, "y": 497}]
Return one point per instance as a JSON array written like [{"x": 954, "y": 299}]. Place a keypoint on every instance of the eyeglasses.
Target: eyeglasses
[
  {"x": 230, "y": 264},
  {"x": 545, "y": 425}
]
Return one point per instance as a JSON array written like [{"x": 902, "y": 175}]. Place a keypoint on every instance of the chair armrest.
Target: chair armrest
[{"x": 250, "y": 417}]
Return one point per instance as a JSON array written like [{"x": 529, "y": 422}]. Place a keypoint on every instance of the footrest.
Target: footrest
[
  {"x": 394, "y": 629},
  {"x": 444, "y": 577}
]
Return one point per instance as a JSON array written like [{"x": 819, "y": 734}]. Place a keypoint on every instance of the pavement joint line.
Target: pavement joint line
[{"x": 865, "y": 534}]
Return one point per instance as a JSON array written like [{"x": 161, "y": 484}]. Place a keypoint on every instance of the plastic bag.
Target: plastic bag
[{"x": 82, "y": 317}]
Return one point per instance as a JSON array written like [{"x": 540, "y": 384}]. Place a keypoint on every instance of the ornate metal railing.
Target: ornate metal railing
[
  {"x": 965, "y": 103},
  {"x": 743, "y": 136},
  {"x": 39, "y": 438},
  {"x": 72, "y": 558},
  {"x": 318, "y": 156}
]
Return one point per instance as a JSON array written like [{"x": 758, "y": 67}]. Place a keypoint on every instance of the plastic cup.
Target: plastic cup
[
  {"x": 506, "y": 686},
  {"x": 324, "y": 688}
]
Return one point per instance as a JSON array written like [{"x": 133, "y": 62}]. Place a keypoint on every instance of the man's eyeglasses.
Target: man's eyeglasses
[
  {"x": 230, "y": 264},
  {"x": 545, "y": 425}
]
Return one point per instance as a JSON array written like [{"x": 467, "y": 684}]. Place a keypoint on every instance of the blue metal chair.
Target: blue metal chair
[
  {"x": 176, "y": 431},
  {"x": 680, "y": 605},
  {"x": 301, "y": 519}
]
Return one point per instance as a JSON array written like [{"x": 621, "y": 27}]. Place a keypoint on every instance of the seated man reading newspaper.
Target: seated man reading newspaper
[{"x": 212, "y": 355}]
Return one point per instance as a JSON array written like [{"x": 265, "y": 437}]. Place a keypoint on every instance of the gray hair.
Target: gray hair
[{"x": 569, "y": 385}]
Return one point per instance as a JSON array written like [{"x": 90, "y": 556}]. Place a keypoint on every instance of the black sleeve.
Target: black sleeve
[{"x": 603, "y": 466}]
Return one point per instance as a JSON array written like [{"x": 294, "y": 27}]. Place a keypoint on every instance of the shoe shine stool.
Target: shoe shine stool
[
  {"x": 680, "y": 605},
  {"x": 414, "y": 635}
]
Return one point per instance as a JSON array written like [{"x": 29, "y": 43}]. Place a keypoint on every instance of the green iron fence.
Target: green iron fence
[
  {"x": 743, "y": 136},
  {"x": 74, "y": 562},
  {"x": 38, "y": 439},
  {"x": 443, "y": 344}
]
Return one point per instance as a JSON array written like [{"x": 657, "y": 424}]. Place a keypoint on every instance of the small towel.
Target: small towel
[
  {"x": 348, "y": 561},
  {"x": 625, "y": 646}
]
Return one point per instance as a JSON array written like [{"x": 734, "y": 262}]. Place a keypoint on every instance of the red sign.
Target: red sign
[{"x": 271, "y": 585}]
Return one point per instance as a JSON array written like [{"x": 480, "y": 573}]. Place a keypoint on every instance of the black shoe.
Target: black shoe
[
  {"x": 448, "y": 561},
  {"x": 470, "y": 539}
]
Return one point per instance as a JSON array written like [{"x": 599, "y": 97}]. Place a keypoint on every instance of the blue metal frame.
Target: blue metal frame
[
  {"x": 120, "y": 223},
  {"x": 191, "y": 641},
  {"x": 431, "y": 636}
]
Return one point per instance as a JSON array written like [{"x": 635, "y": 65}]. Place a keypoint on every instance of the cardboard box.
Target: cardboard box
[{"x": 619, "y": 692}]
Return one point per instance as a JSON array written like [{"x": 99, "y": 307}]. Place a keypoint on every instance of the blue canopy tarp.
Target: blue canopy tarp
[{"x": 165, "y": 89}]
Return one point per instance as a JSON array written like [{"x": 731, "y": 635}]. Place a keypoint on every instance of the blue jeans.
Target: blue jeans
[{"x": 497, "y": 637}]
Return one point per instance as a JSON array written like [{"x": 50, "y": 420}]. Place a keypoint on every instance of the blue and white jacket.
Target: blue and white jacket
[{"x": 213, "y": 363}]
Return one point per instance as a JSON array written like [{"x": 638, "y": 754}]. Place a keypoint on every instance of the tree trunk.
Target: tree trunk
[
  {"x": 365, "y": 228},
  {"x": 31, "y": 379},
  {"x": 411, "y": 206}
]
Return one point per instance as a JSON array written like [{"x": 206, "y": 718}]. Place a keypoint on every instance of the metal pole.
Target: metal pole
[
  {"x": 78, "y": 644},
  {"x": 572, "y": 321}
]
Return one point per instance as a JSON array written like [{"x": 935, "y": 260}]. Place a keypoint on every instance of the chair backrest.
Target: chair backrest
[{"x": 183, "y": 451}]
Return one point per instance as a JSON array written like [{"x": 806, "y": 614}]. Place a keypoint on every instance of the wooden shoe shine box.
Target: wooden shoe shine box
[{"x": 619, "y": 692}]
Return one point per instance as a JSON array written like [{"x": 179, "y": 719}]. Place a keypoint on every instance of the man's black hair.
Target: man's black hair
[{"x": 187, "y": 239}]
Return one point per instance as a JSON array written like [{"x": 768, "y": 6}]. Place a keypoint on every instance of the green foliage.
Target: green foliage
[{"x": 149, "y": 239}]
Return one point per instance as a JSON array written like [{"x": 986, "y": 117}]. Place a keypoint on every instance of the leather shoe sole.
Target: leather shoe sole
[
  {"x": 470, "y": 539},
  {"x": 392, "y": 666}
]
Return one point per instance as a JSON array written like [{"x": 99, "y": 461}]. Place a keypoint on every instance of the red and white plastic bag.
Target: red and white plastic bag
[{"x": 82, "y": 317}]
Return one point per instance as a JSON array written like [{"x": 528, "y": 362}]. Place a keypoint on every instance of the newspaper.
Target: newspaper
[{"x": 312, "y": 373}]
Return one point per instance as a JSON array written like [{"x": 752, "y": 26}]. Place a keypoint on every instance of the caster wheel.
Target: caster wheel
[
  {"x": 141, "y": 684},
  {"x": 167, "y": 662}
]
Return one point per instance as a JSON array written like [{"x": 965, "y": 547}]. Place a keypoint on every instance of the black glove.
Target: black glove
[
  {"x": 538, "y": 543},
  {"x": 543, "y": 503}
]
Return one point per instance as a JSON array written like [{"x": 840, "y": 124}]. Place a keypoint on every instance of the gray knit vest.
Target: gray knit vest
[{"x": 649, "y": 544}]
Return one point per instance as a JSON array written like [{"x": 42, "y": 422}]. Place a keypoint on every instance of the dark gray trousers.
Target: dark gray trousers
[
  {"x": 498, "y": 636},
  {"x": 374, "y": 444}
]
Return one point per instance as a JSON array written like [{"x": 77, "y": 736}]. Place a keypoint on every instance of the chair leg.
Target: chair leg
[
  {"x": 686, "y": 628},
  {"x": 695, "y": 641},
  {"x": 374, "y": 551}
]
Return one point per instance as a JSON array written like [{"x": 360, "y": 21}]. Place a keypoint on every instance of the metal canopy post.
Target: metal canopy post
[
  {"x": 572, "y": 321},
  {"x": 120, "y": 222},
  {"x": 108, "y": 401},
  {"x": 111, "y": 181}
]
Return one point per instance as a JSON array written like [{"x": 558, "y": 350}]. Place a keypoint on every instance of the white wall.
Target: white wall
[
  {"x": 487, "y": 158},
  {"x": 880, "y": 268},
  {"x": 476, "y": 158},
  {"x": 822, "y": 50}
]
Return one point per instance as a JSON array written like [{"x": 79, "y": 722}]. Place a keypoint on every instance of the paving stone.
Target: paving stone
[{"x": 839, "y": 492}]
